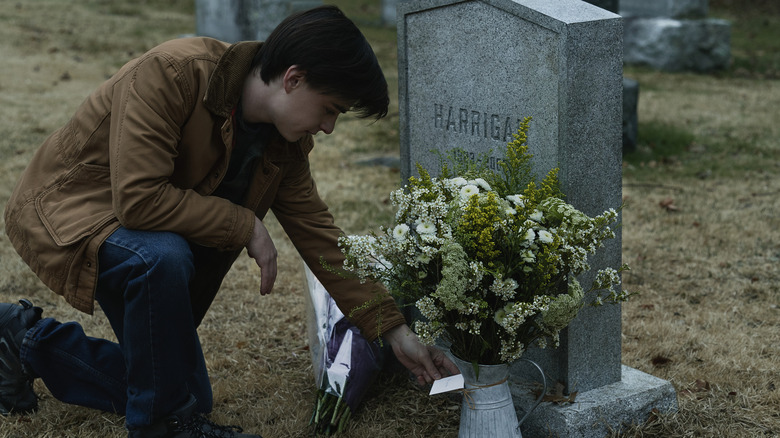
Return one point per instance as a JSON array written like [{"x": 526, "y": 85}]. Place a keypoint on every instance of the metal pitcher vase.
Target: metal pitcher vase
[{"x": 487, "y": 409}]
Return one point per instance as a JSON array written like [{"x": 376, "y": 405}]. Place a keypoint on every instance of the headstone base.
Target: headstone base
[{"x": 596, "y": 412}]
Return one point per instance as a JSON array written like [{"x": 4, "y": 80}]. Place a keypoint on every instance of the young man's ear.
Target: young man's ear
[{"x": 293, "y": 78}]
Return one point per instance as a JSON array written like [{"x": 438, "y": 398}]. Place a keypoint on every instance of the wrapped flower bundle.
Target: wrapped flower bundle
[{"x": 345, "y": 363}]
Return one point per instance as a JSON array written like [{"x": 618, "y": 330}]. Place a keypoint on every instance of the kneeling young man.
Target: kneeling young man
[{"x": 145, "y": 198}]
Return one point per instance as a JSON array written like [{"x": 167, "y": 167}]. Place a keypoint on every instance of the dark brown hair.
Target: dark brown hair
[{"x": 334, "y": 55}]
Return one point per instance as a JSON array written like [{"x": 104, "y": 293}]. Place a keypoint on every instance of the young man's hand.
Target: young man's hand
[
  {"x": 262, "y": 249},
  {"x": 428, "y": 363}
]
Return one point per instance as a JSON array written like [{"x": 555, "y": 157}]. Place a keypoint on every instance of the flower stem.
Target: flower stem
[
  {"x": 344, "y": 420},
  {"x": 336, "y": 410}
]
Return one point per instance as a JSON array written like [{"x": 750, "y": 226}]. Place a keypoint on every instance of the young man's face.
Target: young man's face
[{"x": 293, "y": 107}]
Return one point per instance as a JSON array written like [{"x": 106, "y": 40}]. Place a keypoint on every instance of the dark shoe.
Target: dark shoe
[
  {"x": 185, "y": 423},
  {"x": 16, "y": 392}
]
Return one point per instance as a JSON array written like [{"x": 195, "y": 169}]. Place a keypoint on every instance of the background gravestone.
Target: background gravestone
[
  {"x": 469, "y": 71},
  {"x": 665, "y": 8},
  {"x": 244, "y": 20},
  {"x": 389, "y": 11},
  {"x": 675, "y": 35},
  {"x": 630, "y": 91},
  {"x": 630, "y": 114}
]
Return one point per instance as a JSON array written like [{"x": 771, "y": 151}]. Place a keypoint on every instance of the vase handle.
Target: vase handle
[{"x": 541, "y": 396}]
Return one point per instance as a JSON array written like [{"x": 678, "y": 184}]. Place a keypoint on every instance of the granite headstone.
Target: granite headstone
[{"x": 469, "y": 71}]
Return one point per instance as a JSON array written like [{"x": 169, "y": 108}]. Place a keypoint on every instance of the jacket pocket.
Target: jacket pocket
[{"x": 78, "y": 205}]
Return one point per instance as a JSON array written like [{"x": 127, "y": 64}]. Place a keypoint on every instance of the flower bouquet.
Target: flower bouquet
[
  {"x": 345, "y": 363},
  {"x": 489, "y": 257}
]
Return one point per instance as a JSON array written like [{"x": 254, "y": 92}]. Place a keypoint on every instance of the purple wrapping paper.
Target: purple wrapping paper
[{"x": 365, "y": 362}]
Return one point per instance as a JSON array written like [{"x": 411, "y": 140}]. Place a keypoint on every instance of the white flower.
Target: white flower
[
  {"x": 476, "y": 324},
  {"x": 545, "y": 236},
  {"x": 607, "y": 277},
  {"x": 530, "y": 236},
  {"x": 499, "y": 316},
  {"x": 517, "y": 200},
  {"x": 430, "y": 238},
  {"x": 510, "y": 211},
  {"x": 536, "y": 216},
  {"x": 423, "y": 259},
  {"x": 426, "y": 332},
  {"x": 504, "y": 289},
  {"x": 459, "y": 181},
  {"x": 428, "y": 308},
  {"x": 426, "y": 228},
  {"x": 481, "y": 183},
  {"x": 400, "y": 231},
  {"x": 468, "y": 191}
]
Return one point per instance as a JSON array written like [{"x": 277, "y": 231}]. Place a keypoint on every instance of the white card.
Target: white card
[{"x": 447, "y": 384}]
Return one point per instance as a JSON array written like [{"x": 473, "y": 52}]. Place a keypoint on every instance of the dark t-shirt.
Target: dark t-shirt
[{"x": 250, "y": 140}]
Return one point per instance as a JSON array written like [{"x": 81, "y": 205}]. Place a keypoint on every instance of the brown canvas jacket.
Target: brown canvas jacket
[{"x": 144, "y": 151}]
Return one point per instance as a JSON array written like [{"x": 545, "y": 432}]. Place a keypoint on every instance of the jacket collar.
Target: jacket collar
[{"x": 227, "y": 81}]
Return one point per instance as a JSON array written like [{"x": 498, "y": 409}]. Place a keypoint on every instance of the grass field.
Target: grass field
[{"x": 701, "y": 230}]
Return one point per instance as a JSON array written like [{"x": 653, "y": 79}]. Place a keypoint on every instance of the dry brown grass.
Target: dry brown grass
[{"x": 700, "y": 231}]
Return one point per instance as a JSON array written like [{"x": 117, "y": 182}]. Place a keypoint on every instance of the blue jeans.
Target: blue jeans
[{"x": 143, "y": 289}]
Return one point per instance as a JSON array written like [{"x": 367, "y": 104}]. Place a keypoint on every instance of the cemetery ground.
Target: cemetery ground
[{"x": 701, "y": 231}]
